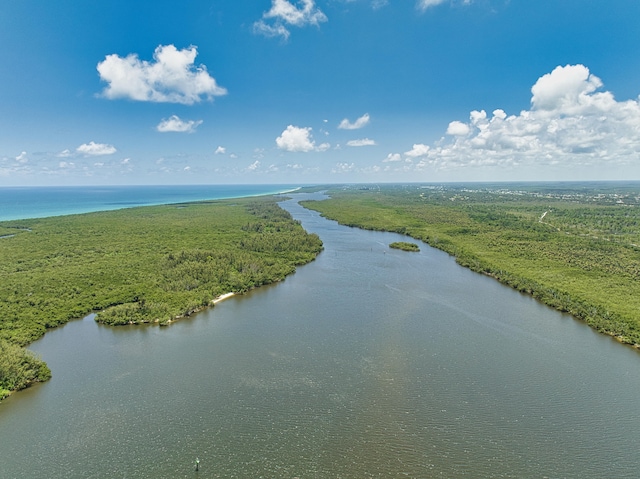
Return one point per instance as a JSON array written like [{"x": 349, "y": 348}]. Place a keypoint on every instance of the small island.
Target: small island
[{"x": 404, "y": 246}]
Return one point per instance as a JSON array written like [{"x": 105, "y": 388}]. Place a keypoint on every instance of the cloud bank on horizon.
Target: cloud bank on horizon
[{"x": 570, "y": 122}]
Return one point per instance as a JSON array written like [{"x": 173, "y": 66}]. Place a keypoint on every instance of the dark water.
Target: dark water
[
  {"x": 369, "y": 362},
  {"x": 38, "y": 202}
]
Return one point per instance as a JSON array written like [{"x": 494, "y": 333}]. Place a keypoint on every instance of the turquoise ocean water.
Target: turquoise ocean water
[{"x": 38, "y": 202}]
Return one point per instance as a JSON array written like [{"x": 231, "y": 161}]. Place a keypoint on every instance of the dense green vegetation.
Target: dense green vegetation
[
  {"x": 19, "y": 368},
  {"x": 404, "y": 246},
  {"x": 139, "y": 265},
  {"x": 576, "y": 247}
]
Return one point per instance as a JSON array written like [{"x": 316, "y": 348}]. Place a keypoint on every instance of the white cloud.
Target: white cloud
[
  {"x": 424, "y": 4},
  {"x": 343, "y": 168},
  {"x": 221, "y": 150},
  {"x": 175, "y": 124},
  {"x": 299, "y": 140},
  {"x": 96, "y": 149},
  {"x": 254, "y": 166},
  {"x": 362, "y": 142},
  {"x": 565, "y": 88},
  {"x": 64, "y": 154},
  {"x": 295, "y": 139},
  {"x": 282, "y": 13},
  {"x": 267, "y": 30},
  {"x": 171, "y": 78},
  {"x": 457, "y": 128},
  {"x": 22, "y": 157},
  {"x": 377, "y": 4},
  {"x": 418, "y": 150},
  {"x": 287, "y": 12},
  {"x": 359, "y": 123},
  {"x": 570, "y": 124},
  {"x": 392, "y": 158}
]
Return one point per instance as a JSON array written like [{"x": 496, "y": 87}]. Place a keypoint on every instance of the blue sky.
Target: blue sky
[{"x": 318, "y": 91}]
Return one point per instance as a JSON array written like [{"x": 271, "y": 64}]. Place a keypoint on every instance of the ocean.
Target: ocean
[{"x": 39, "y": 202}]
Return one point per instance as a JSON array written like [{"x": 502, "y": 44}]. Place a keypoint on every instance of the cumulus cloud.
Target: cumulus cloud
[
  {"x": 418, "y": 150},
  {"x": 457, "y": 128},
  {"x": 174, "y": 123},
  {"x": 566, "y": 88},
  {"x": 283, "y": 13},
  {"x": 359, "y": 123},
  {"x": 171, "y": 78},
  {"x": 569, "y": 123},
  {"x": 22, "y": 157},
  {"x": 362, "y": 142},
  {"x": 221, "y": 150},
  {"x": 298, "y": 139},
  {"x": 96, "y": 149}
]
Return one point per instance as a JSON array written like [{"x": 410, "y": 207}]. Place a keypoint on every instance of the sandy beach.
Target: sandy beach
[{"x": 223, "y": 297}]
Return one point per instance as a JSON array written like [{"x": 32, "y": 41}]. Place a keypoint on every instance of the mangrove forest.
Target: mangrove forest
[
  {"x": 150, "y": 264},
  {"x": 573, "y": 246}
]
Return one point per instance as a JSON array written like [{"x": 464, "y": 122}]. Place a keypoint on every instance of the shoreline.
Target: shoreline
[
  {"x": 614, "y": 323},
  {"x": 222, "y": 297},
  {"x": 111, "y": 204},
  {"x": 213, "y": 302}
]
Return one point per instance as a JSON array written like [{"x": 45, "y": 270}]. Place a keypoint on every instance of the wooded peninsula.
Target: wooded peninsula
[
  {"x": 573, "y": 246},
  {"x": 140, "y": 265}
]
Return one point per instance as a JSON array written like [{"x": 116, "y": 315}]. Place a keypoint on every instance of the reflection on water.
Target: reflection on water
[{"x": 369, "y": 362}]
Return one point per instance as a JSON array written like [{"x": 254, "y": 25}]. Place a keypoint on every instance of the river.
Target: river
[{"x": 368, "y": 362}]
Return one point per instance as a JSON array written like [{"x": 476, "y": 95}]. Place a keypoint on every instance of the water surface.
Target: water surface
[
  {"x": 368, "y": 362},
  {"x": 42, "y": 201}
]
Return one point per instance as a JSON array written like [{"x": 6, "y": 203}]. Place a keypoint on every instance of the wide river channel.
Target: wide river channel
[{"x": 367, "y": 363}]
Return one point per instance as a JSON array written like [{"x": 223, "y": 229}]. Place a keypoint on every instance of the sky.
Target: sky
[{"x": 117, "y": 92}]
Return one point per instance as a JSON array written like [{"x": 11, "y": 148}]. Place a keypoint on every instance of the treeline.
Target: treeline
[
  {"x": 141, "y": 265},
  {"x": 268, "y": 249},
  {"x": 571, "y": 249}
]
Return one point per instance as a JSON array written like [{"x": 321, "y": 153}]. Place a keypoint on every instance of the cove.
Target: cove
[{"x": 368, "y": 362}]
